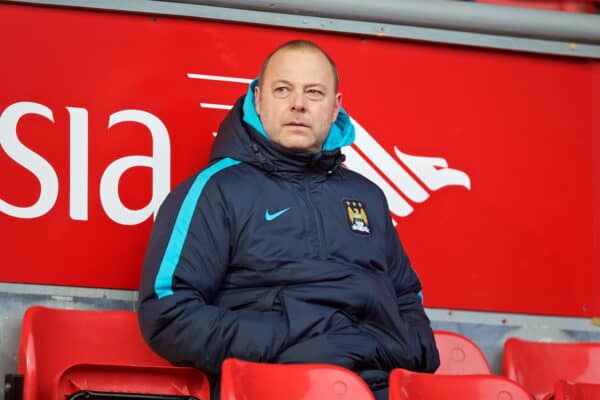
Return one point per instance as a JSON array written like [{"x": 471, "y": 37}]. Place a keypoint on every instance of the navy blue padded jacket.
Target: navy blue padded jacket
[{"x": 274, "y": 256}]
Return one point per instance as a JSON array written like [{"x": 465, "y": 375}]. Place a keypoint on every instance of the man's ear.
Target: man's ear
[
  {"x": 257, "y": 99},
  {"x": 338, "y": 106}
]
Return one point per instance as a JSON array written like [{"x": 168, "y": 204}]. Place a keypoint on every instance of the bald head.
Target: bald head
[{"x": 302, "y": 45}]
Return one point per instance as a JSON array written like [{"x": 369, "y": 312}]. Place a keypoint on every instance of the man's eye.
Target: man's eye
[
  {"x": 281, "y": 90},
  {"x": 314, "y": 93}
]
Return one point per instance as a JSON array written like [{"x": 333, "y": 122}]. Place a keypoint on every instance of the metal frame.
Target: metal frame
[{"x": 438, "y": 21}]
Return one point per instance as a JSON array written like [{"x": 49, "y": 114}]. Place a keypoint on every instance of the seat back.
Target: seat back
[
  {"x": 408, "y": 385},
  {"x": 568, "y": 390},
  {"x": 260, "y": 381},
  {"x": 459, "y": 355},
  {"x": 539, "y": 365},
  {"x": 67, "y": 351}
]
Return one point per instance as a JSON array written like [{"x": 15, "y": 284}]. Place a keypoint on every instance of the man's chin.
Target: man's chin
[{"x": 299, "y": 145}]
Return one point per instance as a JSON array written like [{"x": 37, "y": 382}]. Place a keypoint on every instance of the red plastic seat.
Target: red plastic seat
[
  {"x": 67, "y": 351},
  {"x": 539, "y": 365},
  {"x": 260, "y": 381},
  {"x": 568, "y": 390},
  {"x": 407, "y": 385},
  {"x": 459, "y": 355}
]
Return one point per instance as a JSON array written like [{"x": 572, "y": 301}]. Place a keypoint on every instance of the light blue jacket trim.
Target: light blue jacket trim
[
  {"x": 250, "y": 116},
  {"x": 341, "y": 133},
  {"x": 420, "y": 294},
  {"x": 164, "y": 277}
]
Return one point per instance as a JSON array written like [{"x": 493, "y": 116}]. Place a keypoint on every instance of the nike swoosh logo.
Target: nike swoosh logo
[{"x": 271, "y": 217}]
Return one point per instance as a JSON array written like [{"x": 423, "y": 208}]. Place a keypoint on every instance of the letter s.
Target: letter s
[{"x": 27, "y": 158}]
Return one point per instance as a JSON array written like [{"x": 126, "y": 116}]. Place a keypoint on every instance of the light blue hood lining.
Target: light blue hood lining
[{"x": 341, "y": 133}]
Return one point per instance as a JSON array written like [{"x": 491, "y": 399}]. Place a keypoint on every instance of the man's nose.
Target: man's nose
[{"x": 298, "y": 101}]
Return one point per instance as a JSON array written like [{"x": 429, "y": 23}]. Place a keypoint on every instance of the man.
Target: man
[{"x": 277, "y": 253}]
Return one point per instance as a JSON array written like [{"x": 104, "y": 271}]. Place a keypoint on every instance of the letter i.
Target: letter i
[{"x": 78, "y": 164}]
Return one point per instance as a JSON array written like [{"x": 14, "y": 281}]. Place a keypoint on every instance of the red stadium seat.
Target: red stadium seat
[
  {"x": 459, "y": 355},
  {"x": 76, "y": 354},
  {"x": 539, "y": 365},
  {"x": 260, "y": 381},
  {"x": 568, "y": 390},
  {"x": 407, "y": 385}
]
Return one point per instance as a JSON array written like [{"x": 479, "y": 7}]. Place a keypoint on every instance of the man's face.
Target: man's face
[{"x": 296, "y": 101}]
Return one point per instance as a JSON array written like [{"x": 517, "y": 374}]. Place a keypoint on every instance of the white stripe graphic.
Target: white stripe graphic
[
  {"x": 219, "y": 78},
  {"x": 356, "y": 162},
  {"x": 216, "y": 106},
  {"x": 388, "y": 165},
  {"x": 433, "y": 172}
]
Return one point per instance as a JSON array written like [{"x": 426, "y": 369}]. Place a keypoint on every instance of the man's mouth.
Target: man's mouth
[{"x": 297, "y": 124}]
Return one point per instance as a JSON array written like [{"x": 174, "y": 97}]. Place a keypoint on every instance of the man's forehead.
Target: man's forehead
[{"x": 310, "y": 64}]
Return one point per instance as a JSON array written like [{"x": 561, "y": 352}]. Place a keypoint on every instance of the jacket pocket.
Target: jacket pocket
[{"x": 394, "y": 351}]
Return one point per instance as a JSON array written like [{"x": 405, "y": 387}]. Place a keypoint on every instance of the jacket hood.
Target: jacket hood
[{"x": 241, "y": 136}]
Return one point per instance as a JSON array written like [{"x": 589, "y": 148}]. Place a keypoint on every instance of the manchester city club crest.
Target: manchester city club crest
[{"x": 357, "y": 216}]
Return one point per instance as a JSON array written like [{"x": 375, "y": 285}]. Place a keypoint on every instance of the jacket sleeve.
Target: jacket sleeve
[
  {"x": 186, "y": 260},
  {"x": 408, "y": 286}
]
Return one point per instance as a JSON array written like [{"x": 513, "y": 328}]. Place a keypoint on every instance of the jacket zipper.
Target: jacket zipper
[{"x": 318, "y": 218}]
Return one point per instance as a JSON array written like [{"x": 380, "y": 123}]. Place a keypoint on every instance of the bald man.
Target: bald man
[{"x": 277, "y": 253}]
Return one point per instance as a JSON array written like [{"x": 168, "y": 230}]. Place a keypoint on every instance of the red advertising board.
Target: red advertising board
[{"x": 488, "y": 158}]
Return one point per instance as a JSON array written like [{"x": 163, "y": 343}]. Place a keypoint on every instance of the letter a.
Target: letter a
[{"x": 159, "y": 162}]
